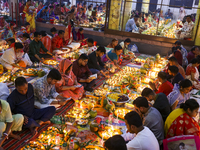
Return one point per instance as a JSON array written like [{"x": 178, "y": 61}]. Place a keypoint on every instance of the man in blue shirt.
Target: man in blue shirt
[
  {"x": 176, "y": 76},
  {"x": 131, "y": 25},
  {"x": 22, "y": 100}
]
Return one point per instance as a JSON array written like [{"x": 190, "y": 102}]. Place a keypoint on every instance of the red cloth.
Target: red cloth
[
  {"x": 57, "y": 42},
  {"x": 81, "y": 72},
  {"x": 165, "y": 88},
  {"x": 12, "y": 45},
  {"x": 190, "y": 56},
  {"x": 68, "y": 35},
  {"x": 81, "y": 37},
  {"x": 183, "y": 125},
  {"x": 190, "y": 69},
  {"x": 179, "y": 57},
  {"x": 46, "y": 40}
]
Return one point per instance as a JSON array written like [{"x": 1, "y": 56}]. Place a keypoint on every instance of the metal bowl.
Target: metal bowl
[{"x": 115, "y": 102}]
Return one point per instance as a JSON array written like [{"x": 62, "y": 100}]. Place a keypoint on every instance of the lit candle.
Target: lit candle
[{"x": 49, "y": 141}]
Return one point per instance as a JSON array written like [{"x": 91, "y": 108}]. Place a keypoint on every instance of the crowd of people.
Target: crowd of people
[
  {"x": 173, "y": 112},
  {"x": 140, "y": 21},
  {"x": 30, "y": 106}
]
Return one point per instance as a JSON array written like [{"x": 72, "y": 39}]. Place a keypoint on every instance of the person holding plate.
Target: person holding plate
[
  {"x": 68, "y": 85},
  {"x": 83, "y": 73}
]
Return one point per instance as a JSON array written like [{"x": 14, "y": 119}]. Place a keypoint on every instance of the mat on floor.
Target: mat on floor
[{"x": 12, "y": 144}]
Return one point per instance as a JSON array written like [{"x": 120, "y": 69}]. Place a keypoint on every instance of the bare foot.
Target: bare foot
[
  {"x": 15, "y": 136},
  {"x": 34, "y": 131},
  {"x": 47, "y": 122}
]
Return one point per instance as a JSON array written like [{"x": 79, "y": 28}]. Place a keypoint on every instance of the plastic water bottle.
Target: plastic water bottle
[
  {"x": 110, "y": 119},
  {"x": 71, "y": 144},
  {"x": 40, "y": 65},
  {"x": 57, "y": 140}
]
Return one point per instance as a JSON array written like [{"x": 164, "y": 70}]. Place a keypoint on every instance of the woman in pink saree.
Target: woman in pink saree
[{"x": 68, "y": 85}]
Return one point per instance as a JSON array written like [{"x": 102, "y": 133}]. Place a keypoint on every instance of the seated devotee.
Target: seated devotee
[
  {"x": 168, "y": 14},
  {"x": 43, "y": 14},
  {"x": 4, "y": 91},
  {"x": 94, "y": 14},
  {"x": 176, "y": 76},
  {"x": 90, "y": 47},
  {"x": 187, "y": 30},
  {"x": 26, "y": 28},
  {"x": 68, "y": 85},
  {"x": 15, "y": 58},
  {"x": 57, "y": 10},
  {"x": 64, "y": 9},
  {"x": 3, "y": 22},
  {"x": 40, "y": 6},
  {"x": 11, "y": 42},
  {"x": 113, "y": 56},
  {"x": 68, "y": 39},
  {"x": 34, "y": 49},
  {"x": 89, "y": 14},
  {"x": 192, "y": 73},
  {"x": 173, "y": 62},
  {"x": 131, "y": 25},
  {"x": 80, "y": 16},
  {"x": 151, "y": 117},
  {"x": 177, "y": 54},
  {"x": 181, "y": 122},
  {"x": 115, "y": 142},
  {"x": 134, "y": 125},
  {"x": 82, "y": 72},
  {"x": 193, "y": 53},
  {"x": 26, "y": 42},
  {"x": 80, "y": 37},
  {"x": 124, "y": 44},
  {"x": 180, "y": 94},
  {"x": 9, "y": 122},
  {"x": 183, "y": 52},
  {"x": 53, "y": 31},
  {"x": 45, "y": 91},
  {"x": 51, "y": 12},
  {"x": 94, "y": 62},
  {"x": 161, "y": 102},
  {"x": 113, "y": 43},
  {"x": 46, "y": 41},
  {"x": 22, "y": 100},
  {"x": 8, "y": 32},
  {"x": 165, "y": 87},
  {"x": 58, "y": 41}
]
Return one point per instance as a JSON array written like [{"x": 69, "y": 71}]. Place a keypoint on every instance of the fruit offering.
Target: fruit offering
[
  {"x": 29, "y": 72},
  {"x": 117, "y": 97}
]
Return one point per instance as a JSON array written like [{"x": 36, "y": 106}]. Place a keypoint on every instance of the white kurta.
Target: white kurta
[{"x": 9, "y": 57}]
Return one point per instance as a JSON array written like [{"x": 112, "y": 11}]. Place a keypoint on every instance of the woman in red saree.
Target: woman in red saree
[
  {"x": 68, "y": 85},
  {"x": 181, "y": 122}
]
